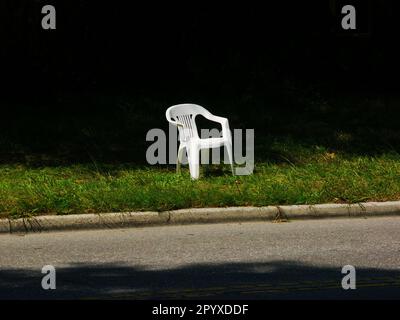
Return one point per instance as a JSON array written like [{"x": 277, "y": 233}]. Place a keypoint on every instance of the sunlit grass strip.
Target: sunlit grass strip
[{"x": 83, "y": 189}]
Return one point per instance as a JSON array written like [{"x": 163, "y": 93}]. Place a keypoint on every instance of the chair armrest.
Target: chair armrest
[
  {"x": 211, "y": 117},
  {"x": 223, "y": 121}
]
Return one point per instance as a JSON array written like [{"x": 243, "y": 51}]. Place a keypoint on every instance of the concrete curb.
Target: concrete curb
[{"x": 200, "y": 215}]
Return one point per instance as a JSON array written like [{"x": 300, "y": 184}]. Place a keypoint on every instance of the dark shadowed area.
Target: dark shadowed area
[
  {"x": 279, "y": 280},
  {"x": 91, "y": 89}
]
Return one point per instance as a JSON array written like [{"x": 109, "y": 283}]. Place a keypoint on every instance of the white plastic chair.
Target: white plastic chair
[{"x": 184, "y": 117}]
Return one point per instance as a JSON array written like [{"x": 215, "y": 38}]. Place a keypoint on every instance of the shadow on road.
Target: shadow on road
[{"x": 273, "y": 280}]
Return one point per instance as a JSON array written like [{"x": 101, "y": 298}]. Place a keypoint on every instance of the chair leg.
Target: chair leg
[
  {"x": 179, "y": 159},
  {"x": 194, "y": 163}
]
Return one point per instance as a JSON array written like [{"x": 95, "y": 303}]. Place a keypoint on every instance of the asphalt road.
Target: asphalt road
[{"x": 264, "y": 260}]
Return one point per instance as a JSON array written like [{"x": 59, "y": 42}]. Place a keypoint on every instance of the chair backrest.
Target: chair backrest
[{"x": 185, "y": 114}]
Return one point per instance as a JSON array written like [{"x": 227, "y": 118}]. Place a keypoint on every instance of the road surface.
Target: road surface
[{"x": 263, "y": 260}]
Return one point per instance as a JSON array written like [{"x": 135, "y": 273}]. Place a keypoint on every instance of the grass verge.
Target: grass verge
[{"x": 326, "y": 177}]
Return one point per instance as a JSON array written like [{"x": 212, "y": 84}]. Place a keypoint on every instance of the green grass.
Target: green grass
[
  {"x": 309, "y": 148},
  {"x": 320, "y": 177}
]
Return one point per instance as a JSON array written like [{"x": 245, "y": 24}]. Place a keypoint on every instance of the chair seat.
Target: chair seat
[{"x": 208, "y": 142}]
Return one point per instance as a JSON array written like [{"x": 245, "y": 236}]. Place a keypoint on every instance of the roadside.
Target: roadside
[
  {"x": 198, "y": 216},
  {"x": 302, "y": 259},
  {"x": 320, "y": 177}
]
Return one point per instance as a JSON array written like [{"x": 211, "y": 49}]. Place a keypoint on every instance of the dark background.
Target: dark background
[{"x": 93, "y": 87}]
